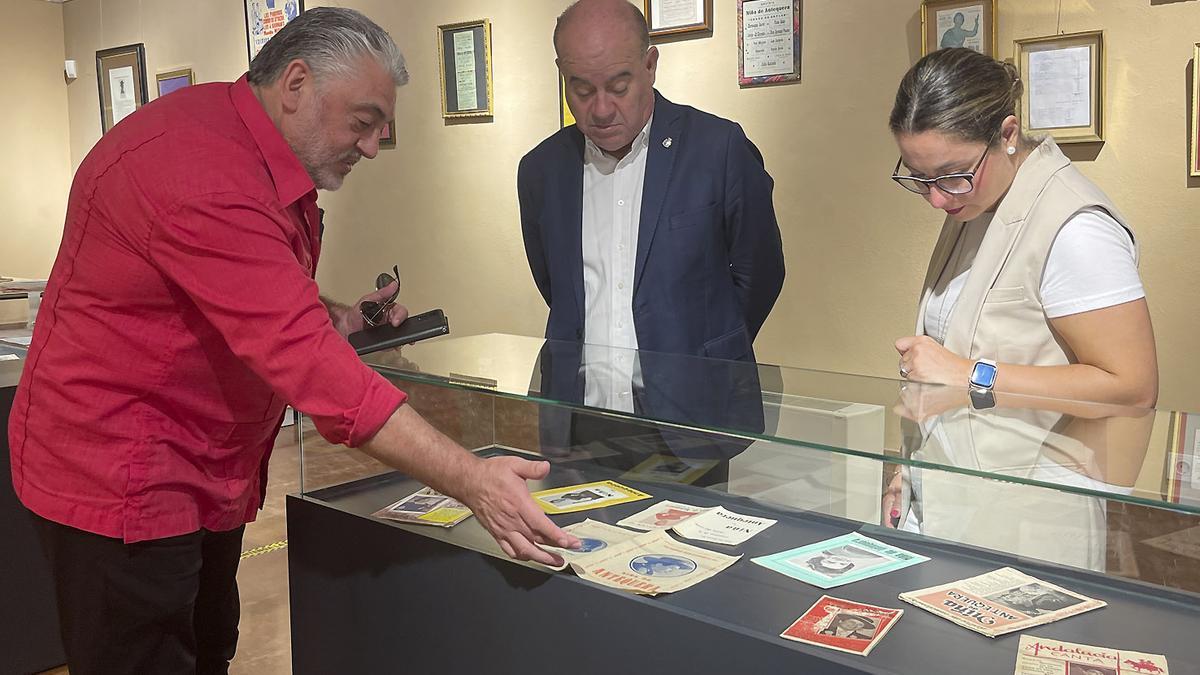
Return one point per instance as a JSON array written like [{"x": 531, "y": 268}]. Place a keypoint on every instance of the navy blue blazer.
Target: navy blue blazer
[{"x": 709, "y": 260}]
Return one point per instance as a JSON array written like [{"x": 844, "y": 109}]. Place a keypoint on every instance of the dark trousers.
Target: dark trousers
[{"x": 162, "y": 606}]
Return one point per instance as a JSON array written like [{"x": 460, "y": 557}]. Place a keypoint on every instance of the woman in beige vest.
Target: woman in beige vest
[{"x": 1035, "y": 271}]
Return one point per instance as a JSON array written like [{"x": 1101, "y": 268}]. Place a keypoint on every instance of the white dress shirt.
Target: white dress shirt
[{"x": 612, "y": 207}]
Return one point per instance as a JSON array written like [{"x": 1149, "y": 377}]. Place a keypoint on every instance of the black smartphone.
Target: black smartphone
[{"x": 415, "y": 328}]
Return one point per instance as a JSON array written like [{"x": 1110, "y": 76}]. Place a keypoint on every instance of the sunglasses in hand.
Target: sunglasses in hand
[{"x": 375, "y": 313}]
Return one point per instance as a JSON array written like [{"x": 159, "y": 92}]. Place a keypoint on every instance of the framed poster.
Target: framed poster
[
  {"x": 676, "y": 17},
  {"x": 121, "y": 78},
  {"x": 1181, "y": 481},
  {"x": 387, "y": 140},
  {"x": 768, "y": 41},
  {"x": 264, "y": 18},
  {"x": 465, "y": 58},
  {"x": 565, "y": 117},
  {"x": 959, "y": 23},
  {"x": 173, "y": 80},
  {"x": 1195, "y": 163},
  {"x": 1064, "y": 86}
]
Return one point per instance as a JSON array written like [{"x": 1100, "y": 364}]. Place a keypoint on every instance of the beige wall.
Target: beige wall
[
  {"x": 35, "y": 168},
  {"x": 443, "y": 205}
]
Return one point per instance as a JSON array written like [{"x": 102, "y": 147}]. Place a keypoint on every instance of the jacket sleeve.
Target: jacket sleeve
[
  {"x": 751, "y": 231},
  {"x": 529, "y": 195}
]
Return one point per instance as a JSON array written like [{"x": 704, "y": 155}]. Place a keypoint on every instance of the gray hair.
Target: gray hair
[
  {"x": 329, "y": 40},
  {"x": 637, "y": 23}
]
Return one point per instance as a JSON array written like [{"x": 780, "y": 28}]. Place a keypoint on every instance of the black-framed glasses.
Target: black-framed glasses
[
  {"x": 951, "y": 183},
  {"x": 375, "y": 313}
]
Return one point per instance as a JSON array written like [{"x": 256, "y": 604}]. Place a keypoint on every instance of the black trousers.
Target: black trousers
[{"x": 162, "y": 606}]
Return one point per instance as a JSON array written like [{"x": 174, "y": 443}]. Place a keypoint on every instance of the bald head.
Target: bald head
[{"x": 607, "y": 20}]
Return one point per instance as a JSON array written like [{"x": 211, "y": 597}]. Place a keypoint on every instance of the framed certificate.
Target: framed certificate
[
  {"x": 265, "y": 18},
  {"x": 676, "y": 17},
  {"x": 768, "y": 42},
  {"x": 173, "y": 80},
  {"x": 121, "y": 78},
  {"x": 1195, "y": 160},
  {"x": 1064, "y": 86},
  {"x": 465, "y": 57},
  {"x": 959, "y": 23}
]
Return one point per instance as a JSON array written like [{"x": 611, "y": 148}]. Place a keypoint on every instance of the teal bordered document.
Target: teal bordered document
[{"x": 841, "y": 560}]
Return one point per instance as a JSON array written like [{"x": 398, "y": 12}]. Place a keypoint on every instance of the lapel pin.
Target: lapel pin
[{"x": 667, "y": 142}]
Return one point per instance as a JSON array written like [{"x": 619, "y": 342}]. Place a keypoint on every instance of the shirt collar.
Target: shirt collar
[
  {"x": 640, "y": 141},
  {"x": 292, "y": 181}
]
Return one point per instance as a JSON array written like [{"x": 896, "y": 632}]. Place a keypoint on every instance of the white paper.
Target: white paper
[
  {"x": 720, "y": 526},
  {"x": 674, "y": 13},
  {"x": 1196, "y": 461},
  {"x": 120, "y": 84},
  {"x": 767, "y": 44},
  {"x": 1060, "y": 92},
  {"x": 967, "y": 31},
  {"x": 464, "y": 70}
]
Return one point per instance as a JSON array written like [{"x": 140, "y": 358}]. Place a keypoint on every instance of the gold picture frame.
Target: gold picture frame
[
  {"x": 940, "y": 17},
  {"x": 1194, "y": 164},
  {"x": 662, "y": 23},
  {"x": 173, "y": 80},
  {"x": 1063, "y": 77},
  {"x": 465, "y": 62}
]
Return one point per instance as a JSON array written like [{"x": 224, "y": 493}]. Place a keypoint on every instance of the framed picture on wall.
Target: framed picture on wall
[
  {"x": 387, "y": 139},
  {"x": 265, "y": 18},
  {"x": 465, "y": 57},
  {"x": 1195, "y": 163},
  {"x": 1064, "y": 86},
  {"x": 121, "y": 78},
  {"x": 676, "y": 17},
  {"x": 565, "y": 118},
  {"x": 768, "y": 41},
  {"x": 958, "y": 23},
  {"x": 173, "y": 81}
]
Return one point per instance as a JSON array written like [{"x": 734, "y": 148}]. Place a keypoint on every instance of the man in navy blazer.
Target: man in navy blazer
[{"x": 645, "y": 211}]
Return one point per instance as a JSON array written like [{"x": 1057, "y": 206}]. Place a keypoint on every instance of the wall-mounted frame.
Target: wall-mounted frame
[
  {"x": 265, "y": 18},
  {"x": 387, "y": 139},
  {"x": 768, "y": 41},
  {"x": 465, "y": 59},
  {"x": 958, "y": 23},
  {"x": 173, "y": 81},
  {"x": 1063, "y": 77},
  {"x": 565, "y": 117},
  {"x": 1195, "y": 161},
  {"x": 121, "y": 78},
  {"x": 677, "y": 17}
]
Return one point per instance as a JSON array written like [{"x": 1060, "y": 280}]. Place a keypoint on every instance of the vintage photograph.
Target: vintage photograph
[
  {"x": 836, "y": 562},
  {"x": 843, "y": 625},
  {"x": 1034, "y": 599},
  {"x": 662, "y": 565},
  {"x": 958, "y": 23},
  {"x": 586, "y": 496}
]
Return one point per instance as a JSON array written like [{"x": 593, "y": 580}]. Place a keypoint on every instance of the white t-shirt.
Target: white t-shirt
[{"x": 1091, "y": 266}]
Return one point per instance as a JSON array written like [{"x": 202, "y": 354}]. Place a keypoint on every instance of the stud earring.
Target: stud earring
[{"x": 1012, "y": 150}]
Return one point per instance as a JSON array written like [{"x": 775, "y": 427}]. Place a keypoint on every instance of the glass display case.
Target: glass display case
[{"x": 1101, "y": 500}]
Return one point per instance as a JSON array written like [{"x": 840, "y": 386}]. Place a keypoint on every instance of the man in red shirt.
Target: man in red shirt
[{"x": 180, "y": 318}]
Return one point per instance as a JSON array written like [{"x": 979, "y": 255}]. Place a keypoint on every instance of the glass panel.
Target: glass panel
[{"x": 1125, "y": 454}]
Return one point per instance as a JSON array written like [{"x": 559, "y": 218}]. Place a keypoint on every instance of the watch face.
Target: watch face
[{"x": 984, "y": 375}]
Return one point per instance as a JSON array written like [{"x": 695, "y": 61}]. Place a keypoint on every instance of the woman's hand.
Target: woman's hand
[{"x": 922, "y": 359}]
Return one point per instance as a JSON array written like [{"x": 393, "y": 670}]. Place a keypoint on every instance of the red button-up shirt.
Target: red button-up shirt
[{"x": 180, "y": 318}]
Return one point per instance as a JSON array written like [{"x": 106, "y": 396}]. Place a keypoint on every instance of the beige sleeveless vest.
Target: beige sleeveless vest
[{"x": 999, "y": 313}]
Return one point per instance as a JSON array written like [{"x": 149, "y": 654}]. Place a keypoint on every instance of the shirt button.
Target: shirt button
[
  {"x": 620, "y": 202},
  {"x": 620, "y": 247},
  {"x": 621, "y": 285}
]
